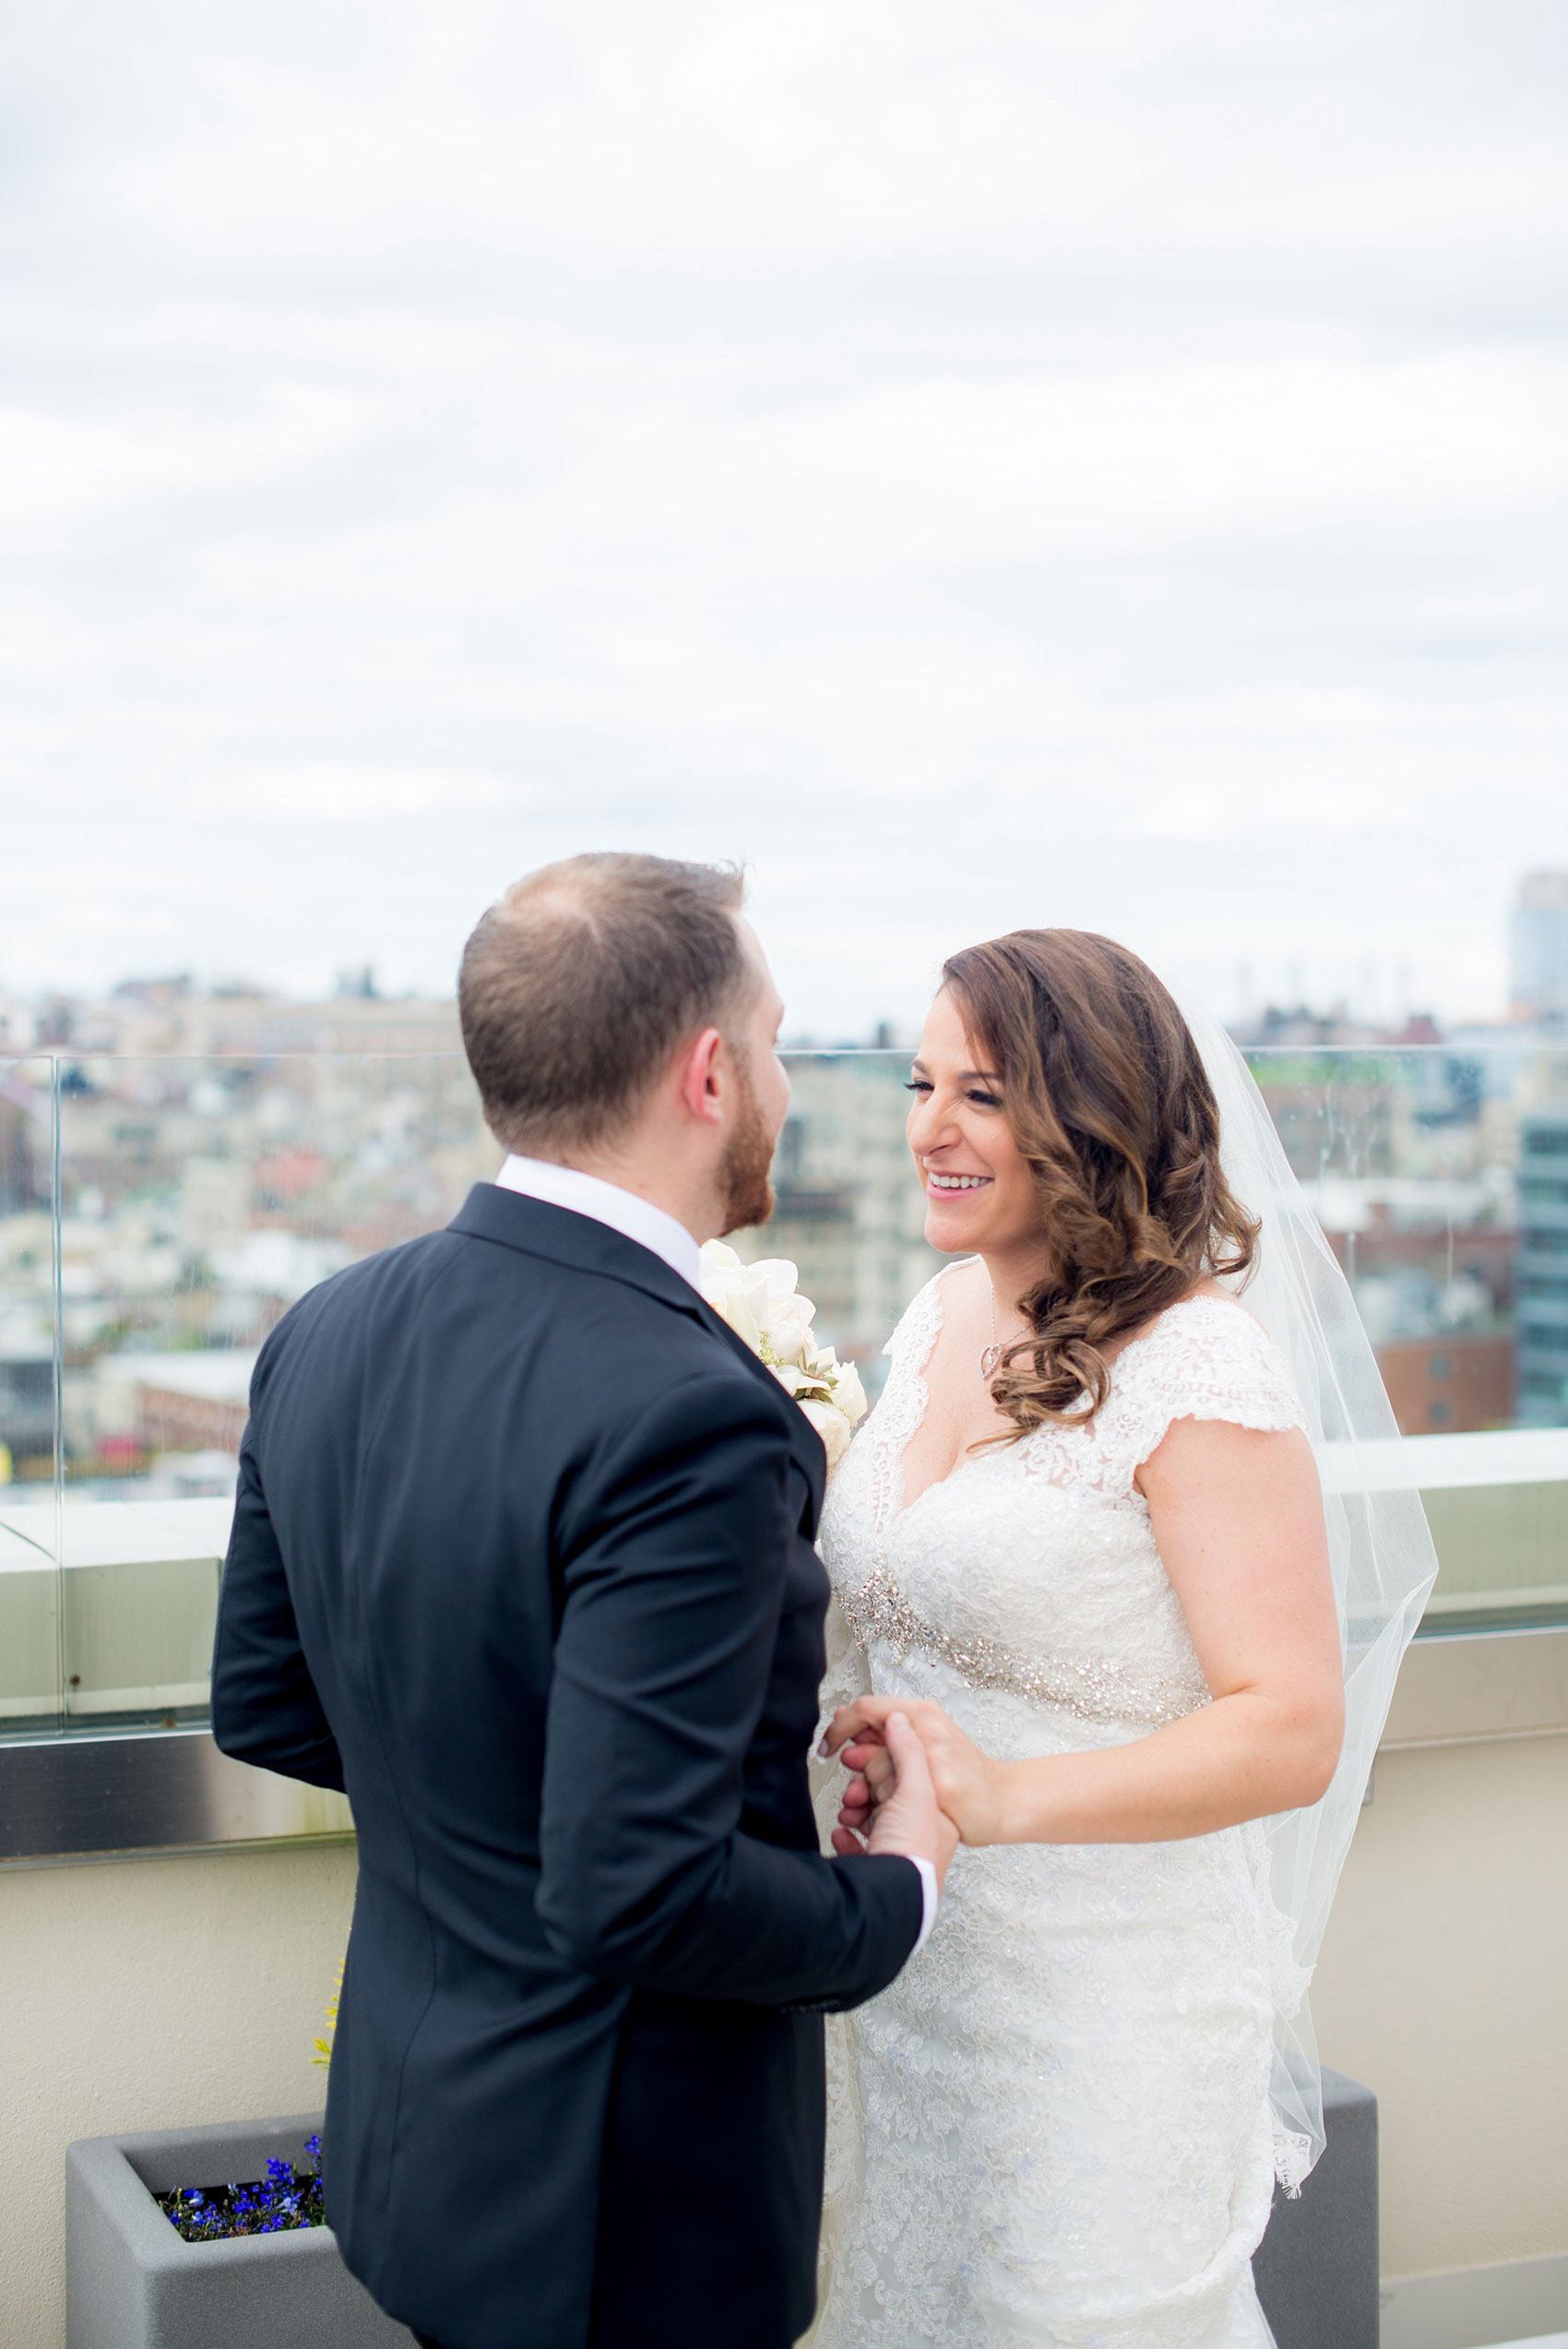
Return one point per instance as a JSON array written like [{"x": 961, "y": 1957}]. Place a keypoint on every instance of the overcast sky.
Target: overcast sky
[{"x": 988, "y": 463}]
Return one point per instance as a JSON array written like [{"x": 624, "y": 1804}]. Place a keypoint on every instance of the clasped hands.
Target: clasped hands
[{"x": 874, "y": 1738}]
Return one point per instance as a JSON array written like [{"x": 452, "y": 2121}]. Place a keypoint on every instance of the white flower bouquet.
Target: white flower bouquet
[{"x": 765, "y": 1308}]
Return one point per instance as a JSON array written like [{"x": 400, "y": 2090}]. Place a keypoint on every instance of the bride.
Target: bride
[{"x": 1082, "y": 1544}]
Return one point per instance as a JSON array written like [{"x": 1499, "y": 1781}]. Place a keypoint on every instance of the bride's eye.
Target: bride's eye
[
  {"x": 986, "y": 1101},
  {"x": 918, "y": 1085}
]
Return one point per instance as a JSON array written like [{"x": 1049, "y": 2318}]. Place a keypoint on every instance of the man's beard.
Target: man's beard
[{"x": 745, "y": 1194}]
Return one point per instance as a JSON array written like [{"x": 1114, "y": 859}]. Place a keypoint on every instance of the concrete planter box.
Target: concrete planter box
[{"x": 133, "y": 2283}]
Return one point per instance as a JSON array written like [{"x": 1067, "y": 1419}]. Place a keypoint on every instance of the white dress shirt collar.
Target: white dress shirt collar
[{"x": 635, "y": 1219}]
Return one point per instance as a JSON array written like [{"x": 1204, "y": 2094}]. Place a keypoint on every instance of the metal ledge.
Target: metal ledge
[
  {"x": 79, "y": 1798},
  {"x": 82, "y": 1797},
  {"x": 1465, "y": 1686}
]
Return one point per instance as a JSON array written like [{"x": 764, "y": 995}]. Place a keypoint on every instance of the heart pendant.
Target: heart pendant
[{"x": 990, "y": 1355}]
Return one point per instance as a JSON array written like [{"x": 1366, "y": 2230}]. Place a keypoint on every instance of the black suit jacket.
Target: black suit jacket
[{"x": 522, "y": 1558}]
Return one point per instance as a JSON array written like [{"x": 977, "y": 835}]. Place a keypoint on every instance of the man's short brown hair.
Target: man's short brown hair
[{"x": 579, "y": 985}]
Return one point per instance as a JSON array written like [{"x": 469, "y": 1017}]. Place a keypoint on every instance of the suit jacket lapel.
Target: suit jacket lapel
[
  {"x": 561, "y": 1236},
  {"x": 810, "y": 1455}
]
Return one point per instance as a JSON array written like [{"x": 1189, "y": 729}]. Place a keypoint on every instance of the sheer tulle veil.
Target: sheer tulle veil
[{"x": 1379, "y": 1546}]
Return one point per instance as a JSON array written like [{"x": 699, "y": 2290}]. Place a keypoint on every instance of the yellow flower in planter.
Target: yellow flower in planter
[{"x": 323, "y": 2057}]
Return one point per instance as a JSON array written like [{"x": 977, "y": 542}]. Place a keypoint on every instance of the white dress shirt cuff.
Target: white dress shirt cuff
[{"x": 930, "y": 1896}]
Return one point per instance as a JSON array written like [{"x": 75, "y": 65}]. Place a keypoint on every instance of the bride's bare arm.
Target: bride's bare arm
[{"x": 1238, "y": 1515}]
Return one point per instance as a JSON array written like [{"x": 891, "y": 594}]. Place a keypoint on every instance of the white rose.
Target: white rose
[
  {"x": 731, "y": 1303},
  {"x": 772, "y": 1286},
  {"x": 791, "y": 1343},
  {"x": 760, "y": 1297},
  {"x": 832, "y": 1427},
  {"x": 763, "y": 1305},
  {"x": 726, "y": 1286},
  {"x": 849, "y": 1395}
]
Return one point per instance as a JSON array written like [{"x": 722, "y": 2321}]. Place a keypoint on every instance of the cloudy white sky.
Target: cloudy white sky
[{"x": 987, "y": 464}]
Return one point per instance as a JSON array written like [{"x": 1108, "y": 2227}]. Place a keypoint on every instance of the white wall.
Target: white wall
[
  {"x": 149, "y": 1994},
  {"x": 1444, "y": 1986}
]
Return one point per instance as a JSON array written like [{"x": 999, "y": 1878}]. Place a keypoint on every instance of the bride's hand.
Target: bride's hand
[{"x": 969, "y": 1784}]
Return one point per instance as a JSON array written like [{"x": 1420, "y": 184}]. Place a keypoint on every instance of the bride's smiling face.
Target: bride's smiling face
[{"x": 979, "y": 1194}]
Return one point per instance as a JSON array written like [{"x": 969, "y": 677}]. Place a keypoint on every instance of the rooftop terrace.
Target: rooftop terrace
[{"x": 157, "y": 1215}]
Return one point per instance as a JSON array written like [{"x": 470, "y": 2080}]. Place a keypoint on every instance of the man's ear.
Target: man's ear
[{"x": 701, "y": 1081}]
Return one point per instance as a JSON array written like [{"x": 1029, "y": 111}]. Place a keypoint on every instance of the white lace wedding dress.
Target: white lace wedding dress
[{"x": 1054, "y": 2131}]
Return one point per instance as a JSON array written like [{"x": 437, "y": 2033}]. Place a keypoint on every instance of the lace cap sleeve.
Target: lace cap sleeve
[
  {"x": 1204, "y": 1359},
  {"x": 912, "y": 1340}
]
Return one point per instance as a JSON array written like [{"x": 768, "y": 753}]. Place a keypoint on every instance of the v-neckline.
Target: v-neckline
[{"x": 900, "y": 1508}]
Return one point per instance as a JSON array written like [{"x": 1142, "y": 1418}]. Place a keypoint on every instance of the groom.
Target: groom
[{"x": 522, "y": 1558}]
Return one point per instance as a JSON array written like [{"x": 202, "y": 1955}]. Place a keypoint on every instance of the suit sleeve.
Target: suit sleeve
[
  {"x": 265, "y": 1707},
  {"x": 673, "y": 1590}
]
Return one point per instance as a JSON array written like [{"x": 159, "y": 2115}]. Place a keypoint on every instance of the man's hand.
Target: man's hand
[
  {"x": 905, "y": 1817},
  {"x": 969, "y": 1787}
]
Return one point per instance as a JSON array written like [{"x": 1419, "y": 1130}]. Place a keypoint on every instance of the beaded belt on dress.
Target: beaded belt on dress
[{"x": 1090, "y": 1691}]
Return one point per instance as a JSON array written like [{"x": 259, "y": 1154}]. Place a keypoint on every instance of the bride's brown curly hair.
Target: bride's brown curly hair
[{"x": 1108, "y": 1099}]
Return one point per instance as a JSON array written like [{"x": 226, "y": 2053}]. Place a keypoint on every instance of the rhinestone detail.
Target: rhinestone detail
[{"x": 1090, "y": 1691}]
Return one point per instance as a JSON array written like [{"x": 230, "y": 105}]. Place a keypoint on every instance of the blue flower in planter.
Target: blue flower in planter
[{"x": 286, "y": 2198}]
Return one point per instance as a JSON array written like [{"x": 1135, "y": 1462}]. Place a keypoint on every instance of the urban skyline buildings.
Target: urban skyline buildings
[
  {"x": 1537, "y": 948},
  {"x": 220, "y": 1151},
  {"x": 176, "y": 1012}
]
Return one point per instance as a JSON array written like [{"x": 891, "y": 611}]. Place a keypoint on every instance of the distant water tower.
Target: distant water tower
[{"x": 1537, "y": 948}]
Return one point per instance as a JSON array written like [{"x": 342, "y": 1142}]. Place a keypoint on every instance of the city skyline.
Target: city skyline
[{"x": 144, "y": 1007}]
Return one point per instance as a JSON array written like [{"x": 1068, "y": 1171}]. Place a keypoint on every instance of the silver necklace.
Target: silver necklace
[{"x": 990, "y": 1355}]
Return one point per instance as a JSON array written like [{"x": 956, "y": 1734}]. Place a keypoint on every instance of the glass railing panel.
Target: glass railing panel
[
  {"x": 1497, "y": 1504},
  {"x": 1441, "y": 1176},
  {"x": 200, "y": 1198},
  {"x": 30, "y": 1664},
  {"x": 140, "y": 1581}
]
